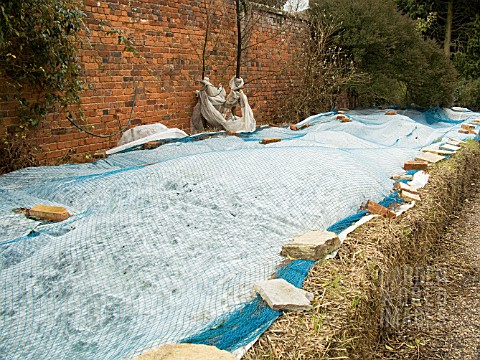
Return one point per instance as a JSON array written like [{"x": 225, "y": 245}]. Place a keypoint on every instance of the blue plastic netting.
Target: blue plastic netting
[{"x": 168, "y": 252}]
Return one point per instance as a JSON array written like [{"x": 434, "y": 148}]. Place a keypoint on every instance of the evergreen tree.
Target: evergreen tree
[
  {"x": 403, "y": 68},
  {"x": 456, "y": 25}
]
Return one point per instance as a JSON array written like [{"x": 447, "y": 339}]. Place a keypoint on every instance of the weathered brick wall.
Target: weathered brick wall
[{"x": 167, "y": 41}]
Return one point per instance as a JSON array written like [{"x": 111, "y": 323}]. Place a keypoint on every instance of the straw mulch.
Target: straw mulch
[{"x": 381, "y": 277}]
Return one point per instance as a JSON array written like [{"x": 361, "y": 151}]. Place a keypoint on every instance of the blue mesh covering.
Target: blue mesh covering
[
  {"x": 237, "y": 329},
  {"x": 341, "y": 225},
  {"x": 164, "y": 242},
  {"x": 393, "y": 198},
  {"x": 244, "y": 325},
  {"x": 437, "y": 114}
]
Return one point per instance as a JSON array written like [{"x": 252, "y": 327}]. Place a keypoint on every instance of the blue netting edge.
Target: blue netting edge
[
  {"x": 240, "y": 327},
  {"x": 432, "y": 115},
  {"x": 246, "y": 136},
  {"x": 243, "y": 325}
]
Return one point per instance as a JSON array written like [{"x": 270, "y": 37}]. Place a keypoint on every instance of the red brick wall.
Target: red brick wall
[{"x": 167, "y": 37}]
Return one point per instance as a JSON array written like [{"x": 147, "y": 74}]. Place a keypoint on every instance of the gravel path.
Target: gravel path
[{"x": 448, "y": 322}]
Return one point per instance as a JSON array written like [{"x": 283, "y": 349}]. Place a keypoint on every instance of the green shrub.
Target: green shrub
[
  {"x": 469, "y": 94},
  {"x": 401, "y": 66}
]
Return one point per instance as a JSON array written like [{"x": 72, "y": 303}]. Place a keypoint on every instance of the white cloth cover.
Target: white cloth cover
[
  {"x": 215, "y": 108},
  {"x": 144, "y": 133},
  {"x": 141, "y": 131}
]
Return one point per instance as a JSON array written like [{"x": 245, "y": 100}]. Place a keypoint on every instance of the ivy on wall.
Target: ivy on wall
[{"x": 38, "y": 46}]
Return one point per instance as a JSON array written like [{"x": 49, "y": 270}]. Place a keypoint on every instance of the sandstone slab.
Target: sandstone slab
[
  {"x": 186, "y": 352},
  {"x": 151, "y": 145},
  {"x": 270, "y": 140},
  {"x": 48, "y": 213},
  {"x": 431, "y": 158},
  {"x": 468, "y": 127},
  {"x": 279, "y": 294},
  {"x": 295, "y": 127},
  {"x": 314, "y": 245},
  {"x": 401, "y": 177},
  {"x": 450, "y": 147},
  {"x": 400, "y": 186},
  {"x": 409, "y": 196},
  {"x": 378, "y": 209},
  {"x": 456, "y": 142},
  {"x": 415, "y": 165},
  {"x": 439, "y": 152}
]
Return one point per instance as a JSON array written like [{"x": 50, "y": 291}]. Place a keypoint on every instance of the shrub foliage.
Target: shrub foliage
[{"x": 402, "y": 68}]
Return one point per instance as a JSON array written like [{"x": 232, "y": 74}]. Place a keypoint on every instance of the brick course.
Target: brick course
[{"x": 168, "y": 38}]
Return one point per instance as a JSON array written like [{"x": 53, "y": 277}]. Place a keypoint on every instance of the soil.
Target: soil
[{"x": 446, "y": 324}]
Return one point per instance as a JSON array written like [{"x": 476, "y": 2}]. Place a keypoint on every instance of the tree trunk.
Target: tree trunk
[
  {"x": 448, "y": 30},
  {"x": 239, "y": 39},
  {"x": 205, "y": 40}
]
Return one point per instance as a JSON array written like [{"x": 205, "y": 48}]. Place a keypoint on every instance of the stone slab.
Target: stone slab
[
  {"x": 468, "y": 127},
  {"x": 270, "y": 140},
  {"x": 401, "y": 177},
  {"x": 409, "y": 196},
  {"x": 450, "y": 147},
  {"x": 456, "y": 142},
  {"x": 415, "y": 165},
  {"x": 378, "y": 209},
  {"x": 279, "y": 294},
  {"x": 314, "y": 245},
  {"x": 48, "y": 213},
  {"x": 295, "y": 127},
  {"x": 186, "y": 352},
  {"x": 439, "y": 152},
  {"x": 151, "y": 145},
  {"x": 400, "y": 186},
  {"x": 431, "y": 158}
]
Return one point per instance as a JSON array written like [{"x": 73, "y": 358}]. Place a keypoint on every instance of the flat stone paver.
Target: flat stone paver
[
  {"x": 314, "y": 245},
  {"x": 431, "y": 158},
  {"x": 279, "y": 294},
  {"x": 186, "y": 352}
]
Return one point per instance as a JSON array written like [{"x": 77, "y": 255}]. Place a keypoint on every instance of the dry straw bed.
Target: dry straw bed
[{"x": 380, "y": 280}]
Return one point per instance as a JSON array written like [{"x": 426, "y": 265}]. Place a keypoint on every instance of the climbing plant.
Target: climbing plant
[{"x": 38, "y": 61}]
